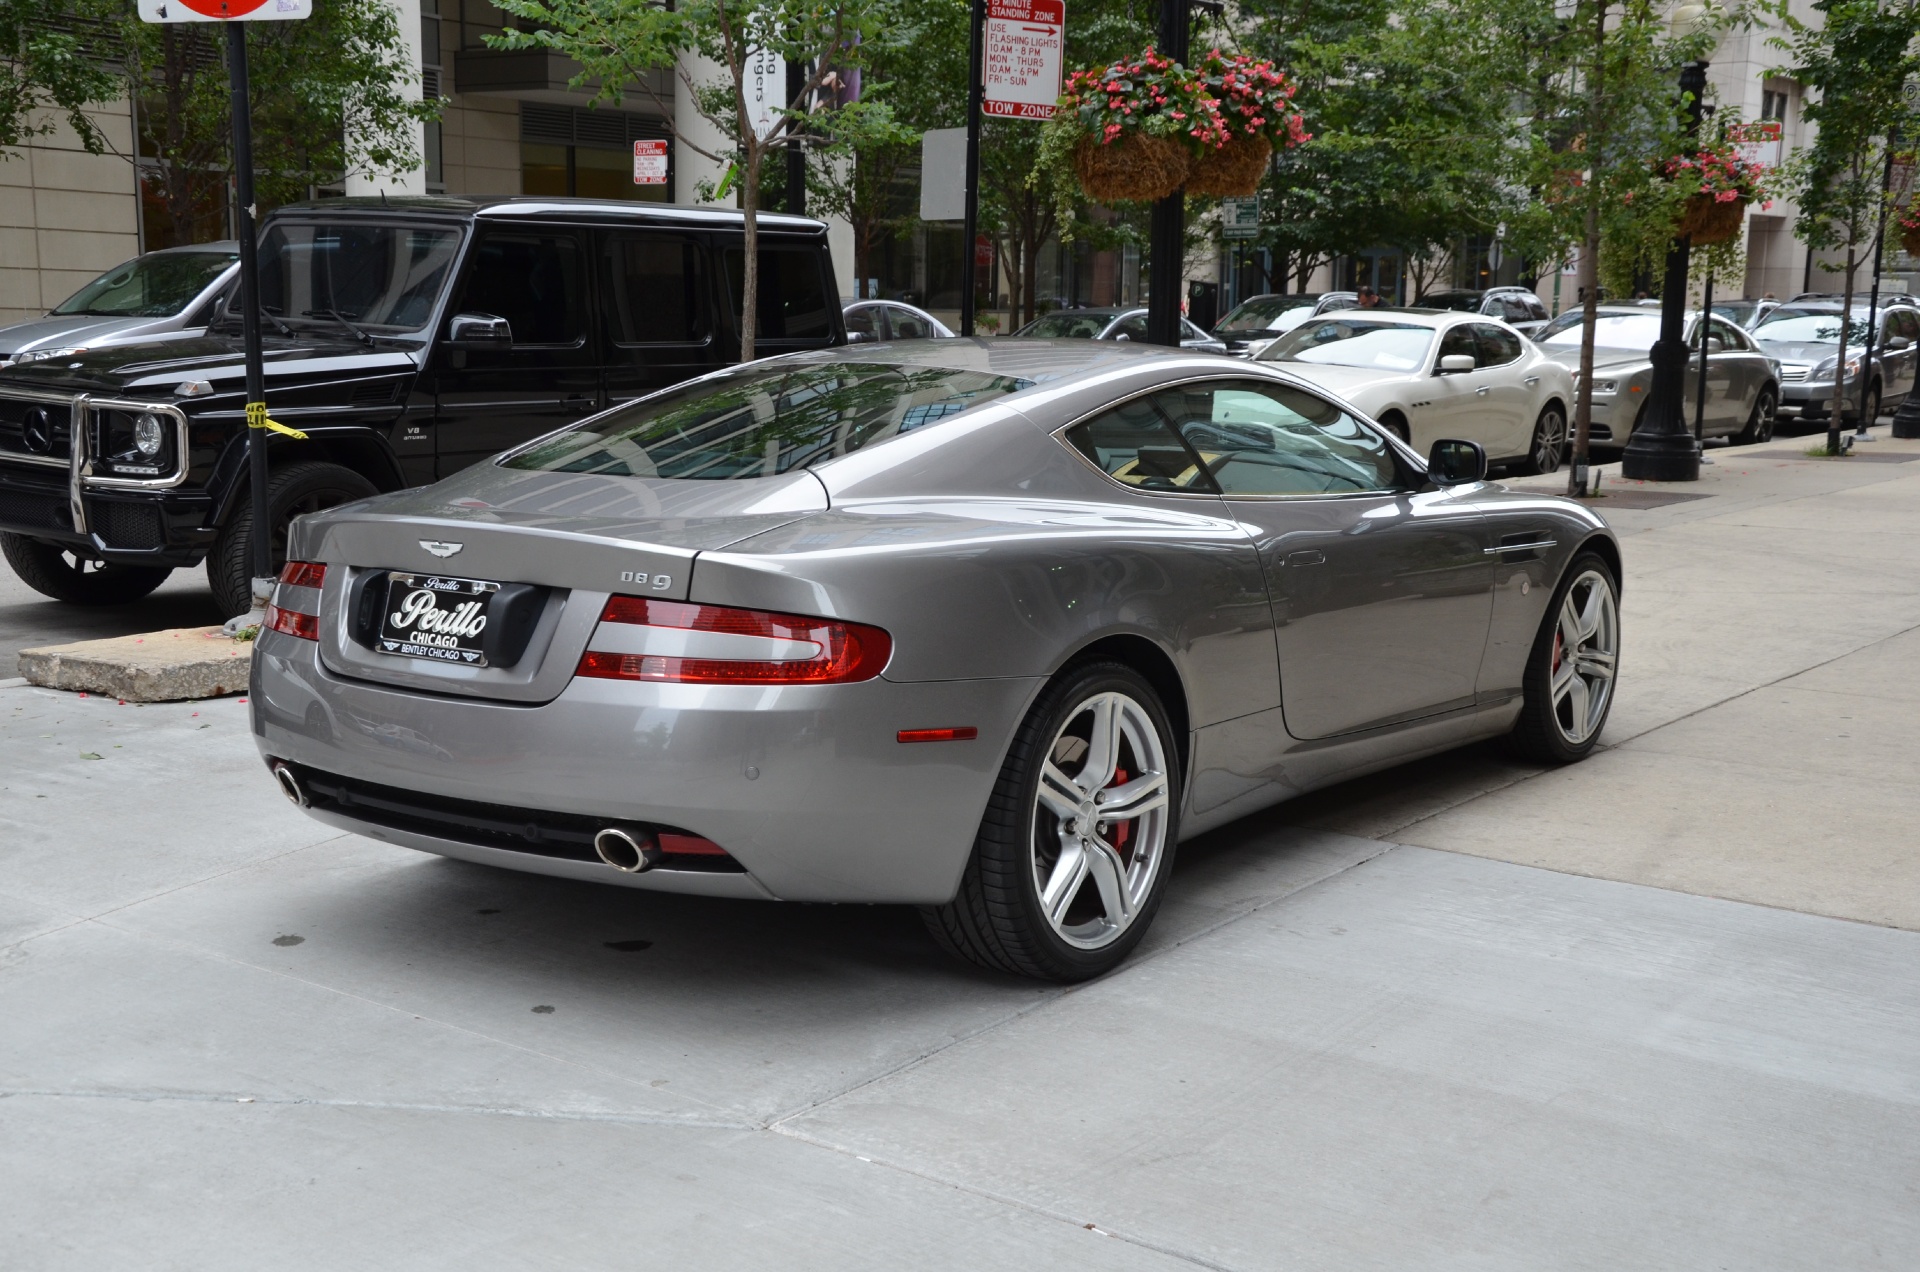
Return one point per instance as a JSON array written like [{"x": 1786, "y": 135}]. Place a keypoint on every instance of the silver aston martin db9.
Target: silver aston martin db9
[{"x": 986, "y": 627}]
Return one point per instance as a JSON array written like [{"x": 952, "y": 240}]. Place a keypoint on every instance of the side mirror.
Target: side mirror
[
  {"x": 1455, "y": 363},
  {"x": 1715, "y": 345},
  {"x": 479, "y": 331},
  {"x": 1897, "y": 343},
  {"x": 862, "y": 337},
  {"x": 1123, "y": 336},
  {"x": 1456, "y": 463}
]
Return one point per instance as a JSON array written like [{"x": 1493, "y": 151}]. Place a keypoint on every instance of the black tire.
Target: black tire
[
  {"x": 1541, "y": 733},
  {"x": 292, "y": 491},
  {"x": 1761, "y": 422},
  {"x": 54, "y": 571},
  {"x": 996, "y": 919},
  {"x": 1549, "y": 446}
]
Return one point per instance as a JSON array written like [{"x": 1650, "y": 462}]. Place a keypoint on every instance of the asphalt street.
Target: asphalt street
[{"x": 1655, "y": 1010}]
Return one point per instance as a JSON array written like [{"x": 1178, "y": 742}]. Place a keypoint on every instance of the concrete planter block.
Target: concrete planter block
[{"x": 169, "y": 666}]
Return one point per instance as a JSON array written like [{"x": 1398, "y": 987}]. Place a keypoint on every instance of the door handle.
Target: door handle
[
  {"x": 577, "y": 402},
  {"x": 1483, "y": 390},
  {"x": 1306, "y": 557}
]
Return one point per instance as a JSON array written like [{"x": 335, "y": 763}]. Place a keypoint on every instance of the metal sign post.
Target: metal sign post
[
  {"x": 235, "y": 13},
  {"x": 1013, "y": 72}
]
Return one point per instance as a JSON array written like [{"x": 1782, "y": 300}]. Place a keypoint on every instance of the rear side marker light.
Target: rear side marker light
[
  {"x": 966, "y": 734},
  {"x": 720, "y": 645},
  {"x": 295, "y": 622}
]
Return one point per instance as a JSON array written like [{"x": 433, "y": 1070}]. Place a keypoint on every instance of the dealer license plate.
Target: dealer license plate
[{"x": 432, "y": 617}]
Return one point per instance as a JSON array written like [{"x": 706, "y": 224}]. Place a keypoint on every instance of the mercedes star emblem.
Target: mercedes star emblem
[{"x": 36, "y": 431}]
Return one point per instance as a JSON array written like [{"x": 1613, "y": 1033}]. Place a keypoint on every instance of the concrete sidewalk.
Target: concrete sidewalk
[{"x": 236, "y": 1039}]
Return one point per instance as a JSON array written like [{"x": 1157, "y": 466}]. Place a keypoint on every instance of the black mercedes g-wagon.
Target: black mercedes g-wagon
[{"x": 407, "y": 339}]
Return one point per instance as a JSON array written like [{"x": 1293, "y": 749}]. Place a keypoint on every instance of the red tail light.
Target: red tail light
[
  {"x": 779, "y": 649},
  {"x": 294, "y": 622}
]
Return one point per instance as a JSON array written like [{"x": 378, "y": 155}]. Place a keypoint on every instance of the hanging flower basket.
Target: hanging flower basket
[
  {"x": 1255, "y": 103},
  {"x": 1719, "y": 184},
  {"x": 1909, "y": 228},
  {"x": 1707, "y": 220},
  {"x": 1133, "y": 166}
]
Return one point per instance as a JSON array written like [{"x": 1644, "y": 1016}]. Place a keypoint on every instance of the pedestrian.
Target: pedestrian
[{"x": 1369, "y": 299}]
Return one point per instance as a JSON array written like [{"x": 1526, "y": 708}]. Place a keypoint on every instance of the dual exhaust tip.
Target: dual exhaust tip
[{"x": 628, "y": 851}]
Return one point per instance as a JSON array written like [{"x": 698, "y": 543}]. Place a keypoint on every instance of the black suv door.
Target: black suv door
[
  {"x": 535, "y": 277},
  {"x": 657, "y": 325}
]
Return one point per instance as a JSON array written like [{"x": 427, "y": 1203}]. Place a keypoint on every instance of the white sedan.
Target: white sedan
[{"x": 1428, "y": 374}]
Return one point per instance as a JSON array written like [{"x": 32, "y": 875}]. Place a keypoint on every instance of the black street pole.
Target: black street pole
[
  {"x": 796, "y": 149},
  {"x": 1661, "y": 448},
  {"x": 249, "y": 298},
  {"x": 975, "y": 91},
  {"x": 1167, "y": 240},
  {"x": 1873, "y": 304},
  {"x": 1700, "y": 384}
]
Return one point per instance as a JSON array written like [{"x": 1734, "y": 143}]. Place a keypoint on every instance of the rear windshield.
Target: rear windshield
[
  {"x": 1258, "y": 314},
  {"x": 761, "y": 421},
  {"x": 155, "y": 286}
]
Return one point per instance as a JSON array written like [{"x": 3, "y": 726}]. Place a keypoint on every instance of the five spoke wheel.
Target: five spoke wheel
[
  {"x": 1586, "y": 645},
  {"x": 1099, "y": 819}
]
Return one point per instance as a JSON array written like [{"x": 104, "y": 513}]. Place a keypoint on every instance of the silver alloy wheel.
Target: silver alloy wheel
[
  {"x": 1549, "y": 440},
  {"x": 1100, "y": 820},
  {"x": 1586, "y": 649}
]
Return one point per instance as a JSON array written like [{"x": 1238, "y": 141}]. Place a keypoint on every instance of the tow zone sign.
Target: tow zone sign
[{"x": 1022, "y": 72}]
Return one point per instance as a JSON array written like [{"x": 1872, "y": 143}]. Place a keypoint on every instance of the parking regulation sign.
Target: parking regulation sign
[
  {"x": 649, "y": 163},
  {"x": 1021, "y": 75},
  {"x": 224, "y": 10}
]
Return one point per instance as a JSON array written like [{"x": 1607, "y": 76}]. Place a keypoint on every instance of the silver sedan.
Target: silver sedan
[{"x": 985, "y": 627}]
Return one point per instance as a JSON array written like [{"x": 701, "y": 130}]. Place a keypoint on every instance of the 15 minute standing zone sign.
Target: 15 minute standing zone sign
[
  {"x": 224, "y": 10},
  {"x": 1022, "y": 47}
]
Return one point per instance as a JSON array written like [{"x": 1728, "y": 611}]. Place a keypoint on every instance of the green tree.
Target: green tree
[
  {"x": 617, "y": 42},
  {"x": 1855, "y": 64},
  {"x": 46, "y": 69}
]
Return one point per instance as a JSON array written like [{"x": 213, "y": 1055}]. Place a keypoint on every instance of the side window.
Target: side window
[
  {"x": 653, "y": 293},
  {"x": 1459, "y": 340},
  {"x": 908, "y": 325},
  {"x": 1135, "y": 445},
  {"x": 1909, "y": 324},
  {"x": 793, "y": 292},
  {"x": 534, "y": 281},
  {"x": 1497, "y": 345},
  {"x": 1729, "y": 337},
  {"x": 1273, "y": 439},
  {"x": 1518, "y": 310},
  {"x": 860, "y": 322},
  {"x": 1133, "y": 327}
]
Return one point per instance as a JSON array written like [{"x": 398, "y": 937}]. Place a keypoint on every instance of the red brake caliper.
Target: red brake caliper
[
  {"x": 1556, "y": 652},
  {"x": 1122, "y": 831}
]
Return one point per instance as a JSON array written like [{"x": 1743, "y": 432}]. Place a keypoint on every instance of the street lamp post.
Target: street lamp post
[
  {"x": 1167, "y": 239},
  {"x": 1661, "y": 448}
]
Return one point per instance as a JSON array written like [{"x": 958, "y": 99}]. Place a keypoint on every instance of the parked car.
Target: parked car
[
  {"x": 1425, "y": 374},
  {"x": 1743, "y": 380},
  {"x": 1255, "y": 321},
  {"x": 1110, "y": 324},
  {"x": 1747, "y": 312},
  {"x": 1804, "y": 336},
  {"x": 1055, "y": 606},
  {"x": 1518, "y": 307},
  {"x": 873, "y": 320},
  {"x": 170, "y": 292},
  {"x": 408, "y": 339}
]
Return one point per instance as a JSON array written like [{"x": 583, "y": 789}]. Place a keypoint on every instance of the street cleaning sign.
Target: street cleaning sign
[
  {"x": 1021, "y": 78},
  {"x": 224, "y": 10},
  {"x": 649, "y": 163}
]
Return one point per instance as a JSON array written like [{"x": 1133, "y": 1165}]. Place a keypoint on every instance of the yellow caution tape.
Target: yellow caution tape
[{"x": 257, "y": 418}]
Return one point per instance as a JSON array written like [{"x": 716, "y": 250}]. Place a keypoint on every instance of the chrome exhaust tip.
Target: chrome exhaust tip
[
  {"x": 628, "y": 851},
  {"x": 290, "y": 785}
]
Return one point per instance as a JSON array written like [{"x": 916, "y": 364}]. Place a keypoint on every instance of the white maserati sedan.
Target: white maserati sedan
[{"x": 1431, "y": 373}]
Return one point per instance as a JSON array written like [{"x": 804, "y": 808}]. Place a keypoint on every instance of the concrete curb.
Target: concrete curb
[{"x": 168, "y": 666}]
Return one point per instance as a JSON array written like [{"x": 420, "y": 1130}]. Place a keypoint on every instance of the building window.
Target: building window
[
  {"x": 1773, "y": 105},
  {"x": 430, "y": 67},
  {"x": 586, "y": 153}
]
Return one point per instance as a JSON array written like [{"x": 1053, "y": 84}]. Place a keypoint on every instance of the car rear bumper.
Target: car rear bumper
[{"x": 806, "y": 787}]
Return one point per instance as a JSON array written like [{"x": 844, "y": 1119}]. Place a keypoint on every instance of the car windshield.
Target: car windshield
[
  {"x": 1802, "y": 327},
  {"x": 375, "y": 276},
  {"x": 1464, "y": 301},
  {"x": 1257, "y": 315},
  {"x": 1610, "y": 331},
  {"x": 760, "y": 421},
  {"x": 1068, "y": 324},
  {"x": 158, "y": 285},
  {"x": 1394, "y": 346},
  {"x": 1740, "y": 314}
]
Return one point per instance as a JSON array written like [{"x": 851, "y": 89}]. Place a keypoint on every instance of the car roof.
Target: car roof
[
  {"x": 1435, "y": 318},
  {"x": 543, "y": 207}
]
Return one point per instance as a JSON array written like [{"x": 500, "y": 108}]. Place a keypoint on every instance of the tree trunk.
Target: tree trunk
[
  {"x": 1834, "y": 421},
  {"x": 750, "y": 276}
]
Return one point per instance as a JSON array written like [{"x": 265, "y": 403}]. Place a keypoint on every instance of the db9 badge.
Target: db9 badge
[{"x": 438, "y": 618}]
